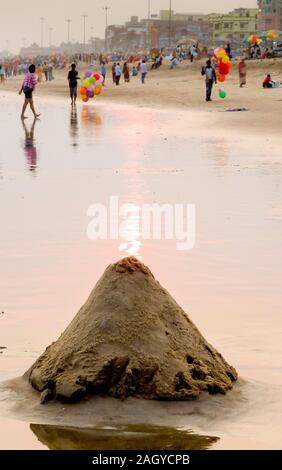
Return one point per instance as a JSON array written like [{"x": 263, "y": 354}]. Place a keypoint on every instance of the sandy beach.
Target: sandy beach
[
  {"x": 183, "y": 89},
  {"x": 153, "y": 143}
]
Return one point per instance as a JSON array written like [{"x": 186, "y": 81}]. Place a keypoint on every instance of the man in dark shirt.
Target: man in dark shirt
[{"x": 72, "y": 78}]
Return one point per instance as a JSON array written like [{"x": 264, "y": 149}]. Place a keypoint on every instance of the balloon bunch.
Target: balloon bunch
[
  {"x": 92, "y": 85},
  {"x": 223, "y": 66}
]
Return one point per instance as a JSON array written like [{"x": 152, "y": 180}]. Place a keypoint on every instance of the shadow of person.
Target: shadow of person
[
  {"x": 134, "y": 437},
  {"x": 29, "y": 145}
]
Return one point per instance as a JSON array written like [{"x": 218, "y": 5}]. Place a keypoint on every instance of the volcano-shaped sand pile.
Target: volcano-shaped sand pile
[{"x": 130, "y": 339}]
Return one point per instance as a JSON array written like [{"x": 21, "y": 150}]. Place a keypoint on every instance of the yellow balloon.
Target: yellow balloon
[
  {"x": 86, "y": 83},
  {"x": 225, "y": 59},
  {"x": 221, "y": 53}
]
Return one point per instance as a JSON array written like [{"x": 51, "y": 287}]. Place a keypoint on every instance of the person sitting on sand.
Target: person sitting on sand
[
  {"x": 269, "y": 83},
  {"x": 72, "y": 78},
  {"x": 210, "y": 75},
  {"x": 28, "y": 88},
  {"x": 134, "y": 71}
]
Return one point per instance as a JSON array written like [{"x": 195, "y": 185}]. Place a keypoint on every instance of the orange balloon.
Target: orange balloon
[
  {"x": 83, "y": 91},
  {"x": 221, "y": 78},
  {"x": 85, "y": 99}
]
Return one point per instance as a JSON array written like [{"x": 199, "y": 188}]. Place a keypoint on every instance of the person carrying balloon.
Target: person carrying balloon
[
  {"x": 210, "y": 75},
  {"x": 72, "y": 79}
]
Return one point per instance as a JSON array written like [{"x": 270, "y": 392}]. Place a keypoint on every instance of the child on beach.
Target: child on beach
[{"x": 28, "y": 88}]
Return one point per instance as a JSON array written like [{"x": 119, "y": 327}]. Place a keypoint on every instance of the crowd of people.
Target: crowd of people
[{"x": 43, "y": 70}]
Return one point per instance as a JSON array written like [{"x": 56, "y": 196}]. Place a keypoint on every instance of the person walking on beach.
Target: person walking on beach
[
  {"x": 2, "y": 74},
  {"x": 103, "y": 69},
  {"x": 117, "y": 74},
  {"x": 72, "y": 79},
  {"x": 28, "y": 87},
  {"x": 126, "y": 73},
  {"x": 242, "y": 68},
  {"x": 210, "y": 75},
  {"x": 39, "y": 72},
  {"x": 45, "y": 70},
  {"x": 144, "y": 71},
  {"x": 114, "y": 72}
]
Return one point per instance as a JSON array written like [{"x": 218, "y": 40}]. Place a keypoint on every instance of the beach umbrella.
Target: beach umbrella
[
  {"x": 272, "y": 35},
  {"x": 253, "y": 39}
]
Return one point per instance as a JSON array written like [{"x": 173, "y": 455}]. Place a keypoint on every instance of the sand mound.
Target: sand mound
[{"x": 130, "y": 339}]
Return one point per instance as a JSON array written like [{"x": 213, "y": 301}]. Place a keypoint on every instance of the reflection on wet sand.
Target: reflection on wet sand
[
  {"x": 123, "y": 438},
  {"x": 90, "y": 116},
  {"x": 74, "y": 125},
  {"x": 29, "y": 145}
]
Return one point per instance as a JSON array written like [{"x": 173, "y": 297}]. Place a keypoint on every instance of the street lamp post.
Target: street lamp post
[
  {"x": 149, "y": 24},
  {"x": 106, "y": 9},
  {"x": 68, "y": 21},
  {"x": 42, "y": 30},
  {"x": 169, "y": 25},
  {"x": 84, "y": 29},
  {"x": 50, "y": 36}
]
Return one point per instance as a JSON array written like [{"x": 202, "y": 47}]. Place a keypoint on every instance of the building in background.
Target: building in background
[
  {"x": 270, "y": 15},
  {"x": 233, "y": 27},
  {"x": 157, "y": 32},
  {"x": 132, "y": 36}
]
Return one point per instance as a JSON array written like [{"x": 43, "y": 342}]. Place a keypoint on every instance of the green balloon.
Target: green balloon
[
  {"x": 92, "y": 80},
  {"x": 222, "y": 94}
]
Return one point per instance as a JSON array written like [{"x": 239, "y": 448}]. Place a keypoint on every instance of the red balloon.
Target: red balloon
[
  {"x": 224, "y": 69},
  {"x": 97, "y": 76}
]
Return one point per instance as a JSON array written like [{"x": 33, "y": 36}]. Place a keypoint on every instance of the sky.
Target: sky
[{"x": 20, "y": 20}]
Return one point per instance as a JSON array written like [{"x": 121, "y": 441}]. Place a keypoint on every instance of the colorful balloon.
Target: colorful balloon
[
  {"x": 222, "y": 94},
  {"x": 221, "y": 78},
  {"x": 92, "y": 85}
]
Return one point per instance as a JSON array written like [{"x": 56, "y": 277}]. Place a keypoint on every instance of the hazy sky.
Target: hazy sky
[{"x": 20, "y": 19}]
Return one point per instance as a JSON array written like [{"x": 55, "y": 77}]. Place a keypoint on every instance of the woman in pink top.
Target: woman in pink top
[{"x": 28, "y": 87}]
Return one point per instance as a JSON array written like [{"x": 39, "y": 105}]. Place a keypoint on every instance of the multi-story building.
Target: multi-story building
[
  {"x": 270, "y": 15},
  {"x": 166, "y": 15},
  {"x": 234, "y": 26}
]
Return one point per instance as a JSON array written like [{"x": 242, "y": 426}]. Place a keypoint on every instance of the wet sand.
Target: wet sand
[{"x": 230, "y": 283}]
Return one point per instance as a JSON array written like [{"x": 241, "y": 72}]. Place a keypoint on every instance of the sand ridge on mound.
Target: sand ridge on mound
[{"x": 130, "y": 339}]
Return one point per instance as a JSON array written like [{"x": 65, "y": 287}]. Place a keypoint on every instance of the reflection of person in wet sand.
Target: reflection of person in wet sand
[
  {"x": 73, "y": 124},
  {"x": 29, "y": 146}
]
